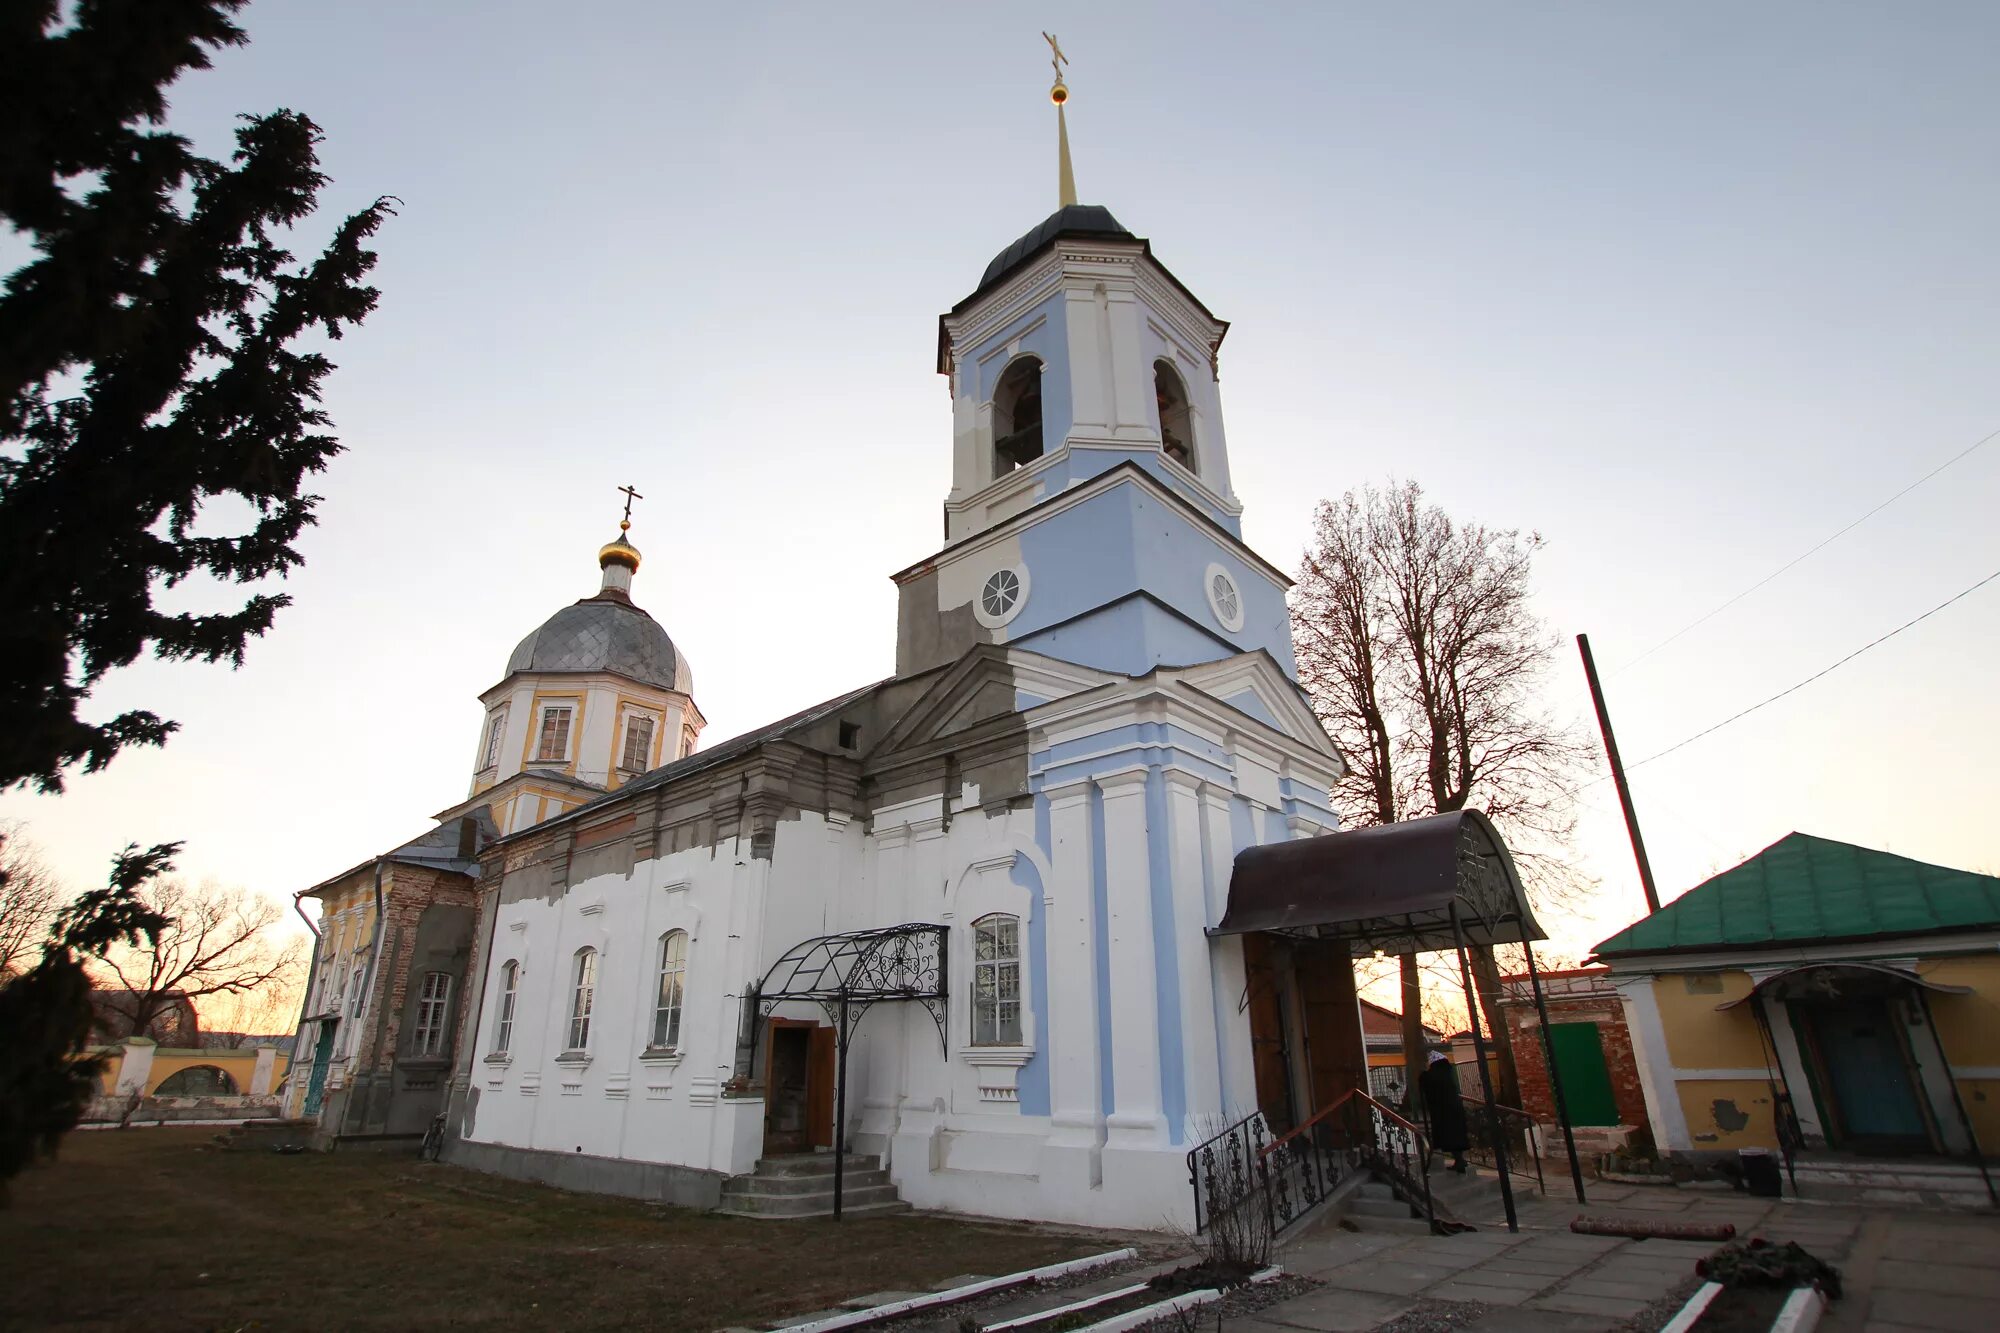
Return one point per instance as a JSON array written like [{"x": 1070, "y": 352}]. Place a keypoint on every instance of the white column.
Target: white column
[
  {"x": 1131, "y": 384},
  {"x": 1089, "y": 382},
  {"x": 1656, "y": 1063},
  {"x": 1071, "y": 1025},
  {"x": 260, "y": 1077},
  {"x": 1195, "y": 953},
  {"x": 1136, "y": 1119},
  {"x": 136, "y": 1069},
  {"x": 1230, "y": 979}
]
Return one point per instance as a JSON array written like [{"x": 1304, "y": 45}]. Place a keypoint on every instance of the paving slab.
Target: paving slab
[
  {"x": 1607, "y": 1307},
  {"x": 1386, "y": 1279},
  {"x": 1475, "y": 1291},
  {"x": 1490, "y": 1277},
  {"x": 1328, "y": 1312},
  {"x": 1629, "y": 1289},
  {"x": 1939, "y": 1251},
  {"x": 1549, "y": 1268},
  {"x": 1945, "y": 1314},
  {"x": 1511, "y": 1320},
  {"x": 1951, "y": 1279}
]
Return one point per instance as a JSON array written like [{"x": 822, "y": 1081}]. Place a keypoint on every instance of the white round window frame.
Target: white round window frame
[
  {"x": 1228, "y": 622},
  {"x": 979, "y": 611}
]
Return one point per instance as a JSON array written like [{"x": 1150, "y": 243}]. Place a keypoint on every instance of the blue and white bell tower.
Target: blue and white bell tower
[{"x": 1091, "y": 516}]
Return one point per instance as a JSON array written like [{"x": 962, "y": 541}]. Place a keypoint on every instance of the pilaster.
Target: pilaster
[
  {"x": 1136, "y": 1120},
  {"x": 1076, "y": 1118},
  {"x": 1188, "y": 902}
]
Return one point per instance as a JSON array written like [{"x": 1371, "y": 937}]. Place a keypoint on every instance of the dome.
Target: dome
[
  {"x": 1074, "y": 220},
  {"x": 605, "y": 633}
]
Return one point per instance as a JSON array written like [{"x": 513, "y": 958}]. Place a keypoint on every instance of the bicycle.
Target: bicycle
[{"x": 433, "y": 1139}]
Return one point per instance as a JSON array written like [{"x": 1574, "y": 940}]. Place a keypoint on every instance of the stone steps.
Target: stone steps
[{"x": 802, "y": 1186}]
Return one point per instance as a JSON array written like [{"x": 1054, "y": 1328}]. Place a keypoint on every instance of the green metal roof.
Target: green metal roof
[{"x": 1803, "y": 889}]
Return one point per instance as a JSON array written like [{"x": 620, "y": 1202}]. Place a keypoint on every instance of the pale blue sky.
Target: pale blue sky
[{"x": 1684, "y": 288}]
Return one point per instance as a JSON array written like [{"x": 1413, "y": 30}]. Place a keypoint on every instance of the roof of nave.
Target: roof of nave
[
  {"x": 605, "y": 633},
  {"x": 444, "y": 847},
  {"x": 1804, "y": 890}
]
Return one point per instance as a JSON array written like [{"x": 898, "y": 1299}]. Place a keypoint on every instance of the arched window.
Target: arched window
[
  {"x": 503, "y": 1028},
  {"x": 1017, "y": 416},
  {"x": 673, "y": 974},
  {"x": 996, "y": 981},
  {"x": 198, "y": 1081},
  {"x": 1176, "y": 423},
  {"x": 582, "y": 995},
  {"x": 433, "y": 1004}
]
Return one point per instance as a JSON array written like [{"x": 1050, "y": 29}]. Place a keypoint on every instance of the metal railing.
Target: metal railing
[
  {"x": 1517, "y": 1130},
  {"x": 1286, "y": 1176}
]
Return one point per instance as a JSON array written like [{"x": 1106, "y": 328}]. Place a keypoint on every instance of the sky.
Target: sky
[{"x": 1684, "y": 289}]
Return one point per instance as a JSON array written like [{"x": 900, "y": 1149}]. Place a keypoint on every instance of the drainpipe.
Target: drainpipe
[
  {"x": 374, "y": 961},
  {"x": 305, "y": 999}
]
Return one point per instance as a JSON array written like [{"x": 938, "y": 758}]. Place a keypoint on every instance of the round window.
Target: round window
[
  {"x": 1224, "y": 599},
  {"x": 1001, "y": 596}
]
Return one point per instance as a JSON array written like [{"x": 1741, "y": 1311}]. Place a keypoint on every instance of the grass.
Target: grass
[{"x": 156, "y": 1229}]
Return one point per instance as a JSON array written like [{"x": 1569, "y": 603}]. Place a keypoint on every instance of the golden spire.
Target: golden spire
[
  {"x": 620, "y": 550},
  {"x": 1059, "y": 93}
]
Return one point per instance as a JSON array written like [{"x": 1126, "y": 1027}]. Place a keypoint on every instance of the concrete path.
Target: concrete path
[{"x": 1905, "y": 1270}]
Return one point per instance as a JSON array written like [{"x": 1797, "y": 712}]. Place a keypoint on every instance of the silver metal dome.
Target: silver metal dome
[{"x": 605, "y": 633}]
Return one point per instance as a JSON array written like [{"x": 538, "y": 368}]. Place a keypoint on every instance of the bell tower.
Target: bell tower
[{"x": 1090, "y": 511}]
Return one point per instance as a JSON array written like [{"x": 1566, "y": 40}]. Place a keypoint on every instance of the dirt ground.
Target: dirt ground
[{"x": 156, "y": 1229}]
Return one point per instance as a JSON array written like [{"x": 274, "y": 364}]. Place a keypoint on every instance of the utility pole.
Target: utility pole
[{"x": 1618, "y": 776}]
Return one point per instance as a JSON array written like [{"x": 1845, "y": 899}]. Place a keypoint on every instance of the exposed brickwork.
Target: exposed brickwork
[
  {"x": 1594, "y": 1005},
  {"x": 409, "y": 890}
]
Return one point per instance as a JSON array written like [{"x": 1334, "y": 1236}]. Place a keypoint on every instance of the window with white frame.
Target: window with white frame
[
  {"x": 996, "y": 981},
  {"x": 687, "y": 741},
  {"x": 503, "y": 1027},
  {"x": 432, "y": 1003},
  {"x": 638, "y": 744},
  {"x": 552, "y": 747},
  {"x": 496, "y": 724},
  {"x": 673, "y": 976},
  {"x": 583, "y": 992}
]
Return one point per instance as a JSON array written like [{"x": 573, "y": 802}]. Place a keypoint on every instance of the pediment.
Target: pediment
[
  {"x": 1255, "y": 686},
  {"x": 989, "y": 682}
]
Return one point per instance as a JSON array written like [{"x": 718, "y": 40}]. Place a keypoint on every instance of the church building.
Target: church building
[{"x": 956, "y": 920}]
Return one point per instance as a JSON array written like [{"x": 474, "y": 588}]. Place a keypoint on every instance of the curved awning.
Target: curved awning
[
  {"x": 1394, "y": 887},
  {"x": 1827, "y": 977}
]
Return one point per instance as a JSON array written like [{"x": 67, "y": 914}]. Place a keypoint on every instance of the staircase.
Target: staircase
[
  {"x": 802, "y": 1186},
  {"x": 1928, "y": 1182},
  {"x": 1472, "y": 1200}
]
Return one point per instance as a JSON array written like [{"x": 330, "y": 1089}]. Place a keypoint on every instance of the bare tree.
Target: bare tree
[
  {"x": 219, "y": 944},
  {"x": 30, "y": 897},
  {"x": 1423, "y": 658},
  {"x": 230, "y": 1022}
]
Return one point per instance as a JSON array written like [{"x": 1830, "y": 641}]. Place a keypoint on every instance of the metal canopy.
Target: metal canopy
[
  {"x": 1396, "y": 888},
  {"x": 1826, "y": 979},
  {"x": 847, "y": 975}
]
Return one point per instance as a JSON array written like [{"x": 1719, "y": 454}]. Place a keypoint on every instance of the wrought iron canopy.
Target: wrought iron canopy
[
  {"x": 850, "y": 972},
  {"x": 1394, "y": 887}
]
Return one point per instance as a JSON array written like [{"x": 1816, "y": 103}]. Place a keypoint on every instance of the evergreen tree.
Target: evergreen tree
[
  {"x": 46, "y": 1073},
  {"x": 150, "y": 363}
]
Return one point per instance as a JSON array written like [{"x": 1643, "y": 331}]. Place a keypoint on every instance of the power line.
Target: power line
[
  {"x": 1696, "y": 624},
  {"x": 1816, "y": 675}
]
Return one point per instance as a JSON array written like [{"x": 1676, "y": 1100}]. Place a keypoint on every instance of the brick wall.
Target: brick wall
[
  {"x": 1609, "y": 1014},
  {"x": 410, "y": 890}
]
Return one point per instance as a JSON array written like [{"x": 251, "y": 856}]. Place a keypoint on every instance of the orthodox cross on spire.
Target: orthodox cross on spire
[
  {"x": 1059, "y": 93},
  {"x": 625, "y": 523}
]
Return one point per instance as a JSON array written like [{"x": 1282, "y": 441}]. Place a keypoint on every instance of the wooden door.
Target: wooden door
[
  {"x": 1270, "y": 1058},
  {"x": 1586, "y": 1080},
  {"x": 1336, "y": 1056},
  {"x": 1865, "y": 1067},
  {"x": 787, "y": 1125},
  {"x": 820, "y": 1070}
]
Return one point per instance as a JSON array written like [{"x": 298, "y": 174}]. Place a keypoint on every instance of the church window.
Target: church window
[
  {"x": 1176, "y": 421},
  {"x": 673, "y": 972},
  {"x": 638, "y": 744},
  {"x": 583, "y": 993},
  {"x": 1002, "y": 596},
  {"x": 996, "y": 981},
  {"x": 496, "y": 723},
  {"x": 432, "y": 1003},
  {"x": 687, "y": 741},
  {"x": 554, "y": 746},
  {"x": 1225, "y": 600},
  {"x": 850, "y": 735},
  {"x": 1017, "y": 416},
  {"x": 503, "y": 1030}
]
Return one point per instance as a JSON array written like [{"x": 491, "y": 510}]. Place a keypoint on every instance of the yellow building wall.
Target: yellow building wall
[
  {"x": 1698, "y": 1037},
  {"x": 1726, "y": 1114},
  {"x": 241, "y": 1065},
  {"x": 1982, "y": 1108},
  {"x": 1968, "y": 1025}
]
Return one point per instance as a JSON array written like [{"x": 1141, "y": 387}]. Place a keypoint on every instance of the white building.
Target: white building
[{"x": 1094, "y": 710}]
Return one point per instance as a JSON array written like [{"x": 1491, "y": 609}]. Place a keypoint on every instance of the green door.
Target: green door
[{"x": 1586, "y": 1082}]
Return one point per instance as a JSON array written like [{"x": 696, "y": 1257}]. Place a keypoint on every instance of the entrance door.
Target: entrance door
[
  {"x": 1336, "y": 1059},
  {"x": 1579, "y": 1051},
  {"x": 1865, "y": 1072},
  {"x": 1269, "y": 1057},
  {"x": 798, "y": 1088},
  {"x": 322, "y": 1056}
]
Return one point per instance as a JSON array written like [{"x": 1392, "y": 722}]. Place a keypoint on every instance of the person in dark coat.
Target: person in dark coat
[{"x": 1439, "y": 1086}]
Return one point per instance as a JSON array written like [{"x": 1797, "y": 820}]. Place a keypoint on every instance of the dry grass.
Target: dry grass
[{"x": 154, "y": 1229}]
